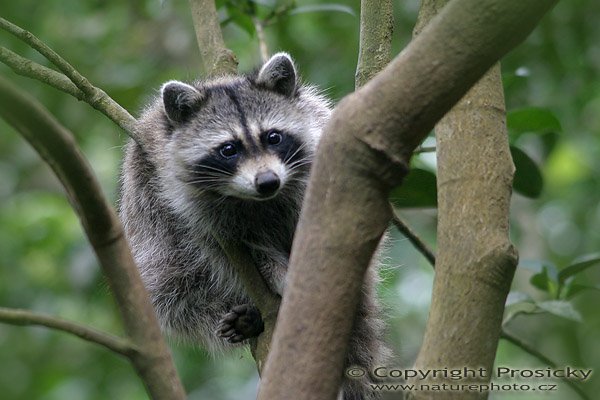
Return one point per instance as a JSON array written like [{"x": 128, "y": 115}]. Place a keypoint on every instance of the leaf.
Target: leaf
[
  {"x": 574, "y": 288},
  {"x": 516, "y": 297},
  {"x": 539, "y": 266},
  {"x": 521, "y": 307},
  {"x": 541, "y": 280},
  {"x": 532, "y": 119},
  {"x": 545, "y": 278},
  {"x": 561, "y": 308},
  {"x": 528, "y": 179},
  {"x": 418, "y": 190},
  {"x": 580, "y": 265},
  {"x": 323, "y": 7},
  {"x": 549, "y": 142},
  {"x": 241, "y": 17}
]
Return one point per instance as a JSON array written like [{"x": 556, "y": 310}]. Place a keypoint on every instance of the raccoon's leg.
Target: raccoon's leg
[{"x": 241, "y": 323}]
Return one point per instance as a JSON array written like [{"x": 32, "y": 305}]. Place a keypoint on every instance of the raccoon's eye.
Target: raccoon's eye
[
  {"x": 274, "y": 137},
  {"x": 228, "y": 150}
]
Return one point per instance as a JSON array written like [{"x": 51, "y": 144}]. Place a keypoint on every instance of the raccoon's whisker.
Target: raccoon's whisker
[
  {"x": 286, "y": 158},
  {"x": 205, "y": 181},
  {"x": 295, "y": 179},
  {"x": 300, "y": 163},
  {"x": 200, "y": 167},
  {"x": 210, "y": 176},
  {"x": 301, "y": 159}
]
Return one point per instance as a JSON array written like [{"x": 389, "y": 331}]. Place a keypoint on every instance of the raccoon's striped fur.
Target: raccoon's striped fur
[{"x": 227, "y": 157}]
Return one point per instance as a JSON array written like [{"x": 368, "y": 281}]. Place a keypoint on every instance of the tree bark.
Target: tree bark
[
  {"x": 476, "y": 261},
  {"x": 375, "y": 47},
  {"x": 217, "y": 59},
  {"x": 364, "y": 153},
  {"x": 152, "y": 359}
]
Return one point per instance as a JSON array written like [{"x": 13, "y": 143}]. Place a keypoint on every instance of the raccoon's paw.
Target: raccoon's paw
[{"x": 241, "y": 323}]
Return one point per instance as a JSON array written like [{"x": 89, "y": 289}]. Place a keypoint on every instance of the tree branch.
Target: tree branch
[
  {"x": 529, "y": 349},
  {"x": 262, "y": 39},
  {"x": 217, "y": 59},
  {"x": 58, "y": 148},
  {"x": 376, "y": 29},
  {"x": 111, "y": 342},
  {"x": 412, "y": 237},
  {"x": 425, "y": 149},
  {"x": 428, "y": 253},
  {"x": 476, "y": 260},
  {"x": 263, "y": 298},
  {"x": 30, "y": 69},
  {"x": 92, "y": 95},
  {"x": 364, "y": 153}
]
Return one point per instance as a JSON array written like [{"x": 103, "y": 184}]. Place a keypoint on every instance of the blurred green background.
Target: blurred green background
[{"x": 130, "y": 48}]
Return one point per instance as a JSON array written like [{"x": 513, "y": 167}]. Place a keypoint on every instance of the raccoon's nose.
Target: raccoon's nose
[{"x": 266, "y": 182}]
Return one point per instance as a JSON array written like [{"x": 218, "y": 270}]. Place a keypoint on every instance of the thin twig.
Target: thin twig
[
  {"x": 529, "y": 349},
  {"x": 262, "y": 40},
  {"x": 425, "y": 149},
  {"x": 428, "y": 253},
  {"x": 31, "y": 69},
  {"x": 79, "y": 80},
  {"x": 111, "y": 342},
  {"x": 413, "y": 238},
  {"x": 92, "y": 95},
  {"x": 279, "y": 12},
  {"x": 430, "y": 256}
]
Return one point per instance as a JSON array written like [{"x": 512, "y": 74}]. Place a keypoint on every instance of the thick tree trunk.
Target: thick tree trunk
[
  {"x": 475, "y": 260},
  {"x": 364, "y": 153}
]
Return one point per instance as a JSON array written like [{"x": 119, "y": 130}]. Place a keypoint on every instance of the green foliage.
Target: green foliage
[
  {"x": 246, "y": 14},
  {"x": 417, "y": 190},
  {"x": 528, "y": 179},
  {"x": 130, "y": 48},
  {"x": 532, "y": 119},
  {"x": 579, "y": 265},
  {"x": 559, "y": 286}
]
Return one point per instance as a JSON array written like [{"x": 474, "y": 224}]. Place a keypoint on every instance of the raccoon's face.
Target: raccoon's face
[{"x": 242, "y": 137}]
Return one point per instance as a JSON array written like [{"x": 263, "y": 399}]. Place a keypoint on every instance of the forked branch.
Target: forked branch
[
  {"x": 78, "y": 87},
  {"x": 58, "y": 148},
  {"x": 366, "y": 146}
]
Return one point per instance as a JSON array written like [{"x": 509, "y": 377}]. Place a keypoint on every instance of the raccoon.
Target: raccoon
[{"x": 227, "y": 158}]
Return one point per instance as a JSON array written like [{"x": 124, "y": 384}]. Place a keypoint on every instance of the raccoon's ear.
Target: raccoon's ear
[
  {"x": 279, "y": 74},
  {"x": 181, "y": 100}
]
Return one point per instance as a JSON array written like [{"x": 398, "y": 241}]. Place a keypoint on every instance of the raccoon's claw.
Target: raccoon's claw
[{"x": 241, "y": 323}]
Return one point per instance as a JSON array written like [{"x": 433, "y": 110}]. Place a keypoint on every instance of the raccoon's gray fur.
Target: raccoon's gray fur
[{"x": 227, "y": 157}]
